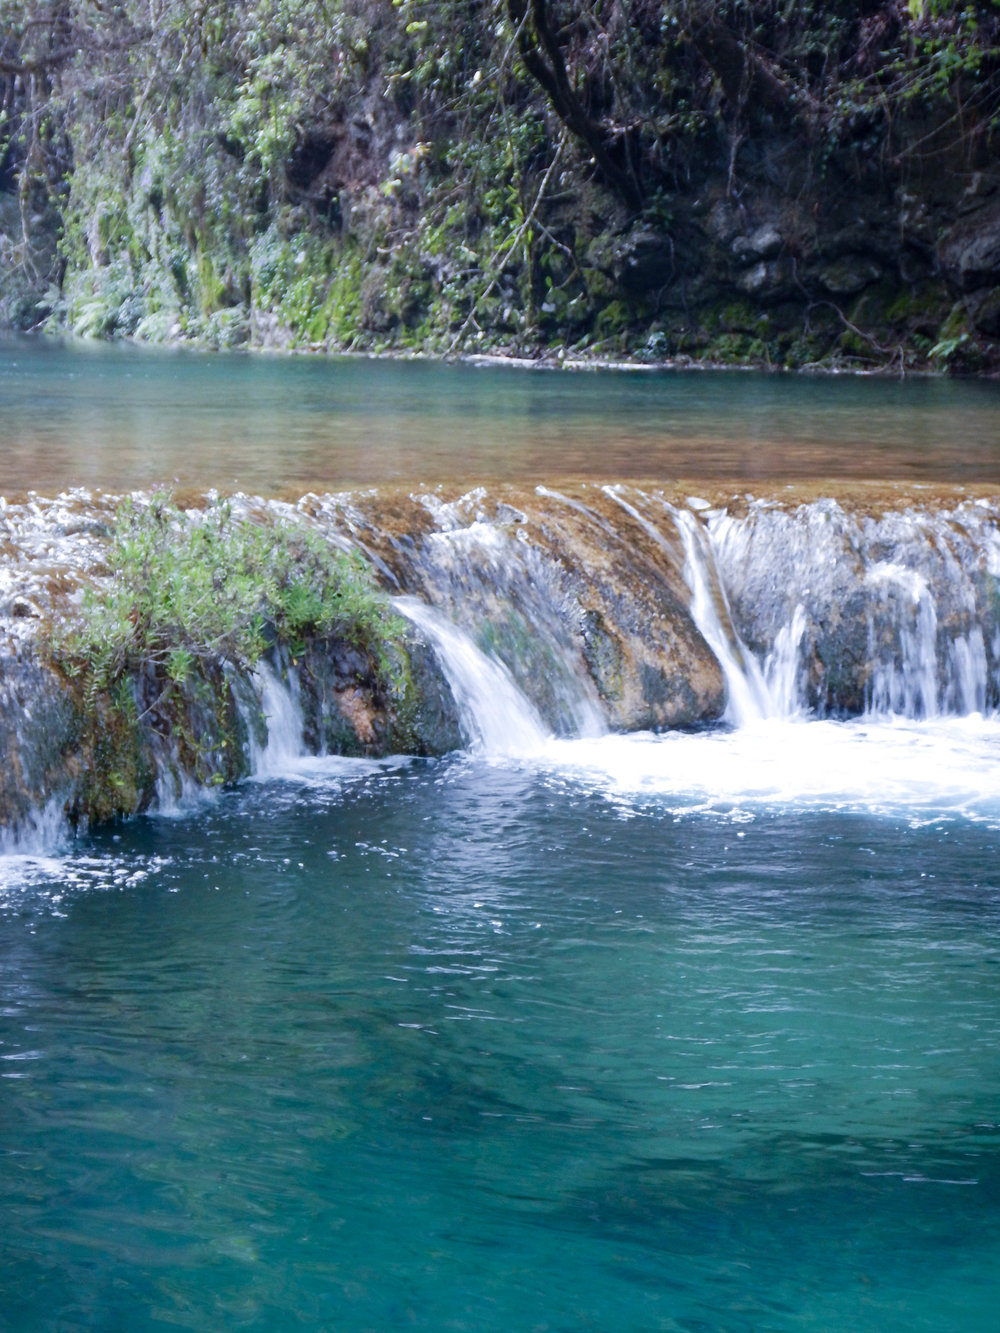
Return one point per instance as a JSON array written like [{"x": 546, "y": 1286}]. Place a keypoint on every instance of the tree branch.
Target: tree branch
[{"x": 542, "y": 57}]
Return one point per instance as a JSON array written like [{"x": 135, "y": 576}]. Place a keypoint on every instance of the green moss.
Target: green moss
[
  {"x": 738, "y": 317},
  {"x": 956, "y": 323},
  {"x": 806, "y": 349},
  {"x": 210, "y": 285},
  {"x": 919, "y": 306},
  {"x": 612, "y": 320},
  {"x": 360, "y": 175},
  {"x": 854, "y": 344}
]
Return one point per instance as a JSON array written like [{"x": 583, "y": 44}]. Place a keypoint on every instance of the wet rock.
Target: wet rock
[
  {"x": 36, "y": 737},
  {"x": 431, "y": 724},
  {"x": 604, "y": 657},
  {"x": 581, "y": 598},
  {"x": 352, "y": 706},
  {"x": 897, "y": 609},
  {"x": 969, "y": 253},
  {"x": 771, "y": 281},
  {"x": 984, "y": 310},
  {"x": 849, "y": 275},
  {"x": 646, "y": 262},
  {"x": 764, "y": 242}
]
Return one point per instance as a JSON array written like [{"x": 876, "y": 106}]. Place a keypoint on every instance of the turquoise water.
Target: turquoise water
[
  {"x": 121, "y": 417},
  {"x": 690, "y": 1032},
  {"x": 456, "y": 1045}
]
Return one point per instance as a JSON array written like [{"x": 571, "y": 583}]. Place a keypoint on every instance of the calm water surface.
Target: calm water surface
[
  {"x": 121, "y": 417},
  {"x": 468, "y": 1045}
]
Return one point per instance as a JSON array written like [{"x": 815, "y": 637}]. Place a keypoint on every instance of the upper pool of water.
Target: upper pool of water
[{"x": 119, "y": 416}]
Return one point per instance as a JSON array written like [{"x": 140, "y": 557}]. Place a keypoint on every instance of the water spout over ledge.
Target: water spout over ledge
[{"x": 559, "y": 611}]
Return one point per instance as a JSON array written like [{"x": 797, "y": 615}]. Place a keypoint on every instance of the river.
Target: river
[
  {"x": 569, "y": 1029},
  {"x": 120, "y": 417}
]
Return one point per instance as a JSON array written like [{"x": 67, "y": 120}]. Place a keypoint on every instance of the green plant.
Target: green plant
[
  {"x": 944, "y": 350},
  {"x": 188, "y": 602},
  {"x": 185, "y": 589}
]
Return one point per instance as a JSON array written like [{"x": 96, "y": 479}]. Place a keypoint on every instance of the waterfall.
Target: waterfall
[
  {"x": 968, "y": 674},
  {"x": 819, "y": 610},
  {"x": 40, "y": 833},
  {"x": 282, "y": 711},
  {"x": 904, "y": 680},
  {"x": 543, "y": 613},
  {"x": 177, "y": 792},
  {"x": 497, "y": 716},
  {"x": 482, "y": 570},
  {"x": 750, "y": 698},
  {"x": 606, "y": 601},
  {"x": 783, "y": 668}
]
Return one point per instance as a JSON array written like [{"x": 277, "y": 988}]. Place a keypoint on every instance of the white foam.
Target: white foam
[
  {"x": 332, "y": 769},
  {"x": 943, "y": 767},
  {"x": 279, "y": 699}
]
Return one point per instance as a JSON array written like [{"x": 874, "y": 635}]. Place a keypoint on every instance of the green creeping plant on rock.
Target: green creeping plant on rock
[
  {"x": 185, "y": 602},
  {"x": 183, "y": 588}
]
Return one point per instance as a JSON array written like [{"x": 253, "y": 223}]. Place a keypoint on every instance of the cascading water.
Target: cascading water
[
  {"x": 904, "y": 679},
  {"x": 570, "y": 612},
  {"x": 282, "y": 714},
  {"x": 749, "y": 698},
  {"x": 783, "y": 668},
  {"x": 828, "y": 612},
  {"x": 476, "y": 568},
  {"x": 497, "y": 716}
]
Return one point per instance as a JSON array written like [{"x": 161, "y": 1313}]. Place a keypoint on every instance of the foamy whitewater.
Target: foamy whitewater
[{"x": 927, "y": 749}]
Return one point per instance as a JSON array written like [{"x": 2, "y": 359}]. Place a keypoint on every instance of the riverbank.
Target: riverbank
[
  {"x": 545, "y": 358},
  {"x": 795, "y": 189}
]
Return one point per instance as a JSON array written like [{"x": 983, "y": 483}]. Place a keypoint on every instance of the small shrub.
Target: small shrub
[
  {"x": 182, "y": 598},
  {"x": 183, "y": 589}
]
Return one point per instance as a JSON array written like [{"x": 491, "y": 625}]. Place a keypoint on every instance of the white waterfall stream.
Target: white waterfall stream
[
  {"x": 749, "y": 698},
  {"x": 497, "y": 716},
  {"x": 902, "y": 603},
  {"x": 279, "y": 701}
]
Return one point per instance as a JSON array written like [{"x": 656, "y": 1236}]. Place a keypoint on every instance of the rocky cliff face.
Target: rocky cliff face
[
  {"x": 799, "y": 272},
  {"x": 740, "y": 183}
]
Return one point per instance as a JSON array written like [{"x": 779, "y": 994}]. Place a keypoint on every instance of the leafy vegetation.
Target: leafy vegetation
[
  {"x": 183, "y": 590},
  {"x": 187, "y": 605},
  {"x": 460, "y": 174}
]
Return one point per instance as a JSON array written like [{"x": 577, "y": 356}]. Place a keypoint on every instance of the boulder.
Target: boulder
[
  {"x": 984, "y": 310},
  {"x": 582, "y": 599},
  {"x": 764, "y": 242},
  {"x": 646, "y": 262},
  {"x": 969, "y": 252},
  {"x": 773, "y": 280},
  {"x": 849, "y": 275}
]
